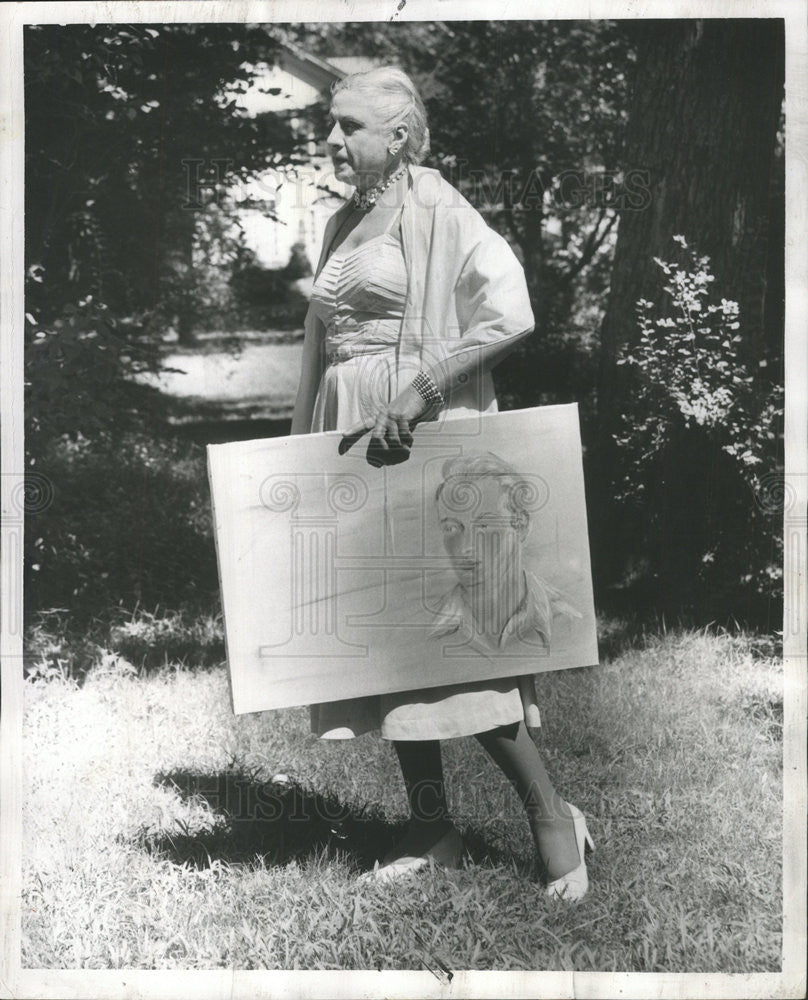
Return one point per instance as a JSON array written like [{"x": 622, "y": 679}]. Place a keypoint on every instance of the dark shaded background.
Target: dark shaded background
[{"x": 589, "y": 145}]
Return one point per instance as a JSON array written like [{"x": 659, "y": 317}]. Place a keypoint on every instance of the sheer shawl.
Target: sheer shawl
[{"x": 466, "y": 289}]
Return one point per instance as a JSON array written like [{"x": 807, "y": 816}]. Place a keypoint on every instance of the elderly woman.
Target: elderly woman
[{"x": 415, "y": 299}]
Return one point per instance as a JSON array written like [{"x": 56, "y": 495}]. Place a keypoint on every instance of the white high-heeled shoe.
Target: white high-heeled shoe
[
  {"x": 447, "y": 852},
  {"x": 574, "y": 885}
]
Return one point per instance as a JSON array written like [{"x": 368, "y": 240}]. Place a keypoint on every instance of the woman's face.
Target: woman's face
[{"x": 359, "y": 140}]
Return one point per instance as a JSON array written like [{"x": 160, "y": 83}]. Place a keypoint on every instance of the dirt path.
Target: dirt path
[{"x": 261, "y": 379}]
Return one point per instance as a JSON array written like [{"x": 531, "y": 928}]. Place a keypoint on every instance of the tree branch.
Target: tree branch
[{"x": 591, "y": 246}]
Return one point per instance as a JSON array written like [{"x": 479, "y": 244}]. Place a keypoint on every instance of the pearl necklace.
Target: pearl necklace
[{"x": 369, "y": 198}]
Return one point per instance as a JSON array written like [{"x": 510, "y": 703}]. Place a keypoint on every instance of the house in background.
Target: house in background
[{"x": 303, "y": 203}]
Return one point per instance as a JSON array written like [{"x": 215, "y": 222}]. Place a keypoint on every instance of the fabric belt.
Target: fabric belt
[{"x": 345, "y": 352}]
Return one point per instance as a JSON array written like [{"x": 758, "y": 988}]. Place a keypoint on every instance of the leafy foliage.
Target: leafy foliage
[
  {"x": 699, "y": 440},
  {"x": 268, "y": 297},
  {"x": 527, "y": 120},
  {"x": 129, "y": 525},
  {"x": 130, "y": 131},
  {"x": 133, "y": 134},
  {"x": 78, "y": 370},
  {"x": 692, "y": 371},
  {"x": 127, "y": 129}
]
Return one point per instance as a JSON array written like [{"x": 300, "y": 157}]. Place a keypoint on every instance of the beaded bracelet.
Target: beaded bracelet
[{"x": 424, "y": 385}]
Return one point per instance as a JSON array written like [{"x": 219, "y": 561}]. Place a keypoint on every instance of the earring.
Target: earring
[{"x": 392, "y": 149}]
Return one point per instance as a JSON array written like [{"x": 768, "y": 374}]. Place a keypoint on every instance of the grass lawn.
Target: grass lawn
[{"x": 155, "y": 836}]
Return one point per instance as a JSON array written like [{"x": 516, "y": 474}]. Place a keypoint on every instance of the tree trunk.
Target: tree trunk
[
  {"x": 702, "y": 125},
  {"x": 180, "y": 264}
]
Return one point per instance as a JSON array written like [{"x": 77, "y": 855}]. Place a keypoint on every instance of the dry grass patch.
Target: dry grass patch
[{"x": 155, "y": 836}]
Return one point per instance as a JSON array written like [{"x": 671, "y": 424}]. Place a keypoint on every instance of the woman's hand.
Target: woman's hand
[{"x": 391, "y": 430}]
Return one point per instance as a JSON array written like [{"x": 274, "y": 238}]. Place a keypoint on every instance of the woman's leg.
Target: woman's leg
[
  {"x": 551, "y": 824},
  {"x": 422, "y": 769}
]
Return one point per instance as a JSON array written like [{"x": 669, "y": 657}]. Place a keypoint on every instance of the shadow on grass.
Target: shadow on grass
[
  {"x": 280, "y": 822},
  {"x": 214, "y": 430},
  {"x": 206, "y": 421},
  {"x": 618, "y": 635}
]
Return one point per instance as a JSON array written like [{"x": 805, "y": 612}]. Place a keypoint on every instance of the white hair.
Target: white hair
[{"x": 396, "y": 98}]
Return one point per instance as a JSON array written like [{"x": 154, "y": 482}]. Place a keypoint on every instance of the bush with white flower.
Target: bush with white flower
[{"x": 694, "y": 395}]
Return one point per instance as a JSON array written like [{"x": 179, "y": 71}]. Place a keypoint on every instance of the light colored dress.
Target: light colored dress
[{"x": 359, "y": 296}]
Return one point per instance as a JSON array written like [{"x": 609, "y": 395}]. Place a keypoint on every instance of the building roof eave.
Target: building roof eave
[{"x": 315, "y": 71}]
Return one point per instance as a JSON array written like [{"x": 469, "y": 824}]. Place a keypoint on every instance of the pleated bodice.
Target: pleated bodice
[{"x": 359, "y": 296}]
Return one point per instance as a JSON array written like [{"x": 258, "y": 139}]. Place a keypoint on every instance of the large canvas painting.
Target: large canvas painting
[{"x": 468, "y": 561}]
